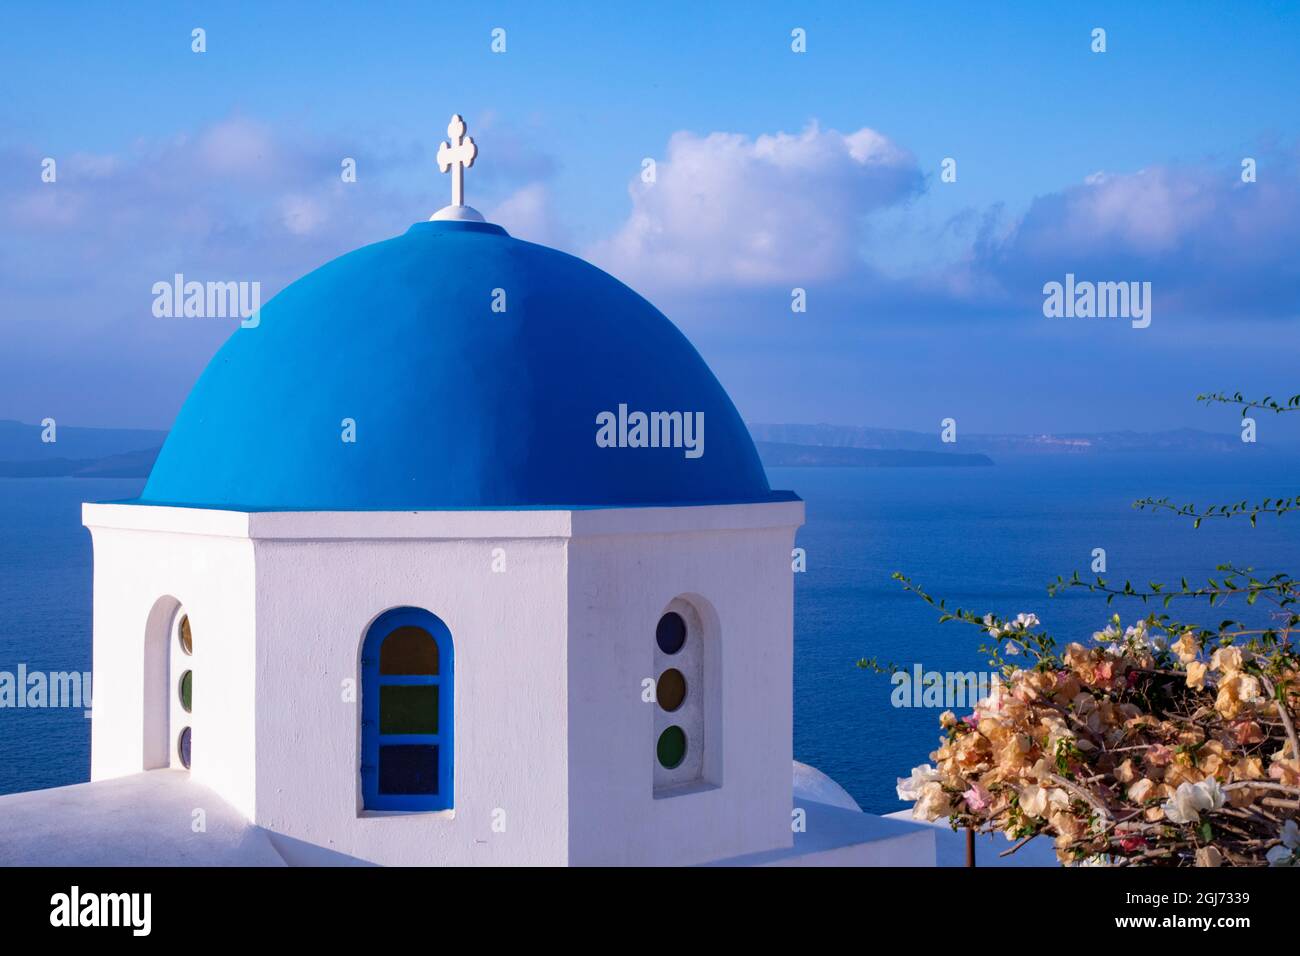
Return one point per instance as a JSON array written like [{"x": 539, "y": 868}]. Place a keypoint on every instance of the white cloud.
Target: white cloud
[
  {"x": 1207, "y": 241},
  {"x": 237, "y": 146},
  {"x": 528, "y": 214},
  {"x": 302, "y": 215},
  {"x": 729, "y": 209}
]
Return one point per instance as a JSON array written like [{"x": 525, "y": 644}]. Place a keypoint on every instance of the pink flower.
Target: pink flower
[
  {"x": 977, "y": 798},
  {"x": 971, "y": 720}
]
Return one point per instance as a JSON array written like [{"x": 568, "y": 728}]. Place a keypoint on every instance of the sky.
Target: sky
[{"x": 775, "y": 170}]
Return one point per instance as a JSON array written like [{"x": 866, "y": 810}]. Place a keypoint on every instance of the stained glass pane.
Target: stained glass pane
[
  {"x": 183, "y": 747},
  {"x": 408, "y": 709},
  {"x": 187, "y": 637},
  {"x": 408, "y": 768},
  {"x": 671, "y": 633},
  {"x": 409, "y": 650},
  {"x": 671, "y": 689},
  {"x": 672, "y": 747},
  {"x": 187, "y": 681}
]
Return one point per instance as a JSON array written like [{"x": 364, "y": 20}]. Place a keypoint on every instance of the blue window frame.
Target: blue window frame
[{"x": 406, "y": 712}]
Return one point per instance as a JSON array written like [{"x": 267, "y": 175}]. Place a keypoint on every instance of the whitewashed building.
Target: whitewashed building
[{"x": 457, "y": 554}]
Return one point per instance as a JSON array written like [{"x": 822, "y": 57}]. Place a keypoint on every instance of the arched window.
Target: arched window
[
  {"x": 182, "y": 706},
  {"x": 687, "y": 741},
  {"x": 406, "y": 712}
]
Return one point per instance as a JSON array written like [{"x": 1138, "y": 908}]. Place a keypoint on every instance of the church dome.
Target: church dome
[{"x": 473, "y": 367}]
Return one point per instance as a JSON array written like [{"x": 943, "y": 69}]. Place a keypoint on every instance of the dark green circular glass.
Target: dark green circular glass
[
  {"x": 187, "y": 680},
  {"x": 671, "y": 749}
]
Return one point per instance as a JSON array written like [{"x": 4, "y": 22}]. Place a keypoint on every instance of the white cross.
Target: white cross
[{"x": 458, "y": 155}]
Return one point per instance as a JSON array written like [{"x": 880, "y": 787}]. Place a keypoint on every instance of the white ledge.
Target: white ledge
[{"x": 433, "y": 525}]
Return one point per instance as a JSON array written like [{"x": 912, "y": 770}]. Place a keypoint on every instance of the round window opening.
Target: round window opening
[
  {"x": 183, "y": 748},
  {"x": 186, "y": 690},
  {"x": 671, "y": 633},
  {"x": 671, "y": 749},
  {"x": 187, "y": 638},
  {"x": 671, "y": 689}
]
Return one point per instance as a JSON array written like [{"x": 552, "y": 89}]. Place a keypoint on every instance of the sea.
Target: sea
[{"x": 984, "y": 538}]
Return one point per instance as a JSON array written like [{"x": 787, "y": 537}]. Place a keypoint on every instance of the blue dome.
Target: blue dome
[{"x": 456, "y": 405}]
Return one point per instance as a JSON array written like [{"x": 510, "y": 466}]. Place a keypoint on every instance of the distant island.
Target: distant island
[
  {"x": 1067, "y": 443},
  {"x": 134, "y": 464},
  {"x": 78, "y": 452},
  {"x": 784, "y": 455},
  {"x": 130, "y": 452}
]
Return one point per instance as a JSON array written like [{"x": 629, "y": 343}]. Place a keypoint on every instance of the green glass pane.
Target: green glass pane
[
  {"x": 409, "y": 650},
  {"x": 408, "y": 709},
  {"x": 187, "y": 679},
  {"x": 672, "y": 747}
]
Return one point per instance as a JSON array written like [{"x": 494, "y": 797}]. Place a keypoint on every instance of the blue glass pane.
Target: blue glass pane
[
  {"x": 408, "y": 768},
  {"x": 184, "y": 748},
  {"x": 671, "y": 633}
]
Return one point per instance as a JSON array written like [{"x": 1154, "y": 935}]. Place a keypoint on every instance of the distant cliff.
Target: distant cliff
[
  {"x": 781, "y": 454},
  {"x": 130, "y": 453},
  {"x": 22, "y": 442},
  {"x": 77, "y": 452},
  {"x": 1068, "y": 443},
  {"x": 135, "y": 464}
]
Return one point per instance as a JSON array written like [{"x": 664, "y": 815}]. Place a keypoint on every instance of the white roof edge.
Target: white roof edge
[
  {"x": 226, "y": 524},
  {"x": 689, "y": 518},
  {"x": 345, "y": 525}
]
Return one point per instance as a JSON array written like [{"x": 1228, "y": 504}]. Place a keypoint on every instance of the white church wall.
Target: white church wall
[
  {"x": 625, "y": 569},
  {"x": 552, "y": 616},
  {"x": 503, "y": 599},
  {"x": 150, "y": 563}
]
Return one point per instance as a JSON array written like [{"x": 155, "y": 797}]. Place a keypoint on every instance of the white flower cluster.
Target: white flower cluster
[
  {"x": 909, "y": 788},
  {"x": 1132, "y": 638},
  {"x": 1190, "y": 799},
  {"x": 1021, "y": 625}
]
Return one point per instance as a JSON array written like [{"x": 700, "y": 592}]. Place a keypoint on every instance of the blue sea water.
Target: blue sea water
[{"x": 985, "y": 538}]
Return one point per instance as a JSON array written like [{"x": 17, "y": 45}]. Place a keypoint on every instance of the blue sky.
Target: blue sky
[{"x": 818, "y": 170}]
